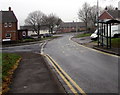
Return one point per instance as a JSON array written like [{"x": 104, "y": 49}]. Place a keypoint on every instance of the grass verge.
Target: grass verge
[
  {"x": 53, "y": 37},
  {"x": 115, "y": 42},
  {"x": 9, "y": 64},
  {"x": 82, "y": 35}
]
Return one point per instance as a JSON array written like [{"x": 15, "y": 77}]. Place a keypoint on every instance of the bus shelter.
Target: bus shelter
[{"x": 104, "y": 32}]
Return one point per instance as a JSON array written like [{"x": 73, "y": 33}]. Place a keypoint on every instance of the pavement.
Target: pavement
[
  {"x": 33, "y": 76},
  {"x": 82, "y": 40},
  {"x": 86, "y": 41}
]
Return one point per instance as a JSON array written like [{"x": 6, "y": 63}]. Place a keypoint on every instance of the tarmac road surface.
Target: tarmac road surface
[{"x": 94, "y": 72}]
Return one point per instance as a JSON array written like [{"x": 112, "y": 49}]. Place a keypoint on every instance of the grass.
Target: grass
[
  {"x": 9, "y": 64},
  {"x": 115, "y": 42},
  {"x": 82, "y": 35},
  {"x": 8, "y": 61},
  {"x": 28, "y": 40},
  {"x": 52, "y": 37}
]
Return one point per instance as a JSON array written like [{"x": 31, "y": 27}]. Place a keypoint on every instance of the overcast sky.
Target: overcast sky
[{"x": 65, "y": 9}]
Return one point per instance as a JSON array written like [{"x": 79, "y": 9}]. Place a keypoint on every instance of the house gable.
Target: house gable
[
  {"x": 8, "y": 24},
  {"x": 105, "y": 15}
]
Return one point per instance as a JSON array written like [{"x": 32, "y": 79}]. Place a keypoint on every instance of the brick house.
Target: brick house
[
  {"x": 31, "y": 31},
  {"x": 71, "y": 26},
  {"x": 8, "y": 26},
  {"x": 110, "y": 14}
]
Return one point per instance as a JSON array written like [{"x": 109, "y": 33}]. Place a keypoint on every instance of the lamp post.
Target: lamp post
[
  {"x": 97, "y": 19},
  {"x": 76, "y": 26},
  {"x": 97, "y": 13}
]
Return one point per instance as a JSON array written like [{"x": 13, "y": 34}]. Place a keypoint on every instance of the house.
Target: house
[
  {"x": 22, "y": 33},
  {"x": 8, "y": 26},
  {"x": 71, "y": 27},
  {"x": 110, "y": 14},
  {"x": 31, "y": 31}
]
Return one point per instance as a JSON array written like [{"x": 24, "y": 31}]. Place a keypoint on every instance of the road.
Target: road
[
  {"x": 94, "y": 72},
  {"x": 35, "y": 48}
]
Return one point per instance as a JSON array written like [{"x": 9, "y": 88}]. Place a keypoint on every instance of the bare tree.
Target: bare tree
[
  {"x": 35, "y": 19},
  {"x": 83, "y": 14},
  {"x": 59, "y": 21},
  {"x": 93, "y": 15},
  {"x": 51, "y": 21}
]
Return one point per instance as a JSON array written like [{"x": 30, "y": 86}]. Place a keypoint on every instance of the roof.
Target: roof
[
  {"x": 114, "y": 13},
  {"x": 72, "y": 24},
  {"x": 7, "y": 16},
  {"x": 109, "y": 21},
  {"x": 30, "y": 27}
]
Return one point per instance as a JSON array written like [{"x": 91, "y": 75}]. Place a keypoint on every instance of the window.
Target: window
[
  {"x": 8, "y": 35},
  {"x": 10, "y": 24},
  {"x": 5, "y": 25},
  {"x": 24, "y": 33}
]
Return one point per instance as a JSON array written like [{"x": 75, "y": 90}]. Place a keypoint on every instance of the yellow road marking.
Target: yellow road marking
[
  {"x": 95, "y": 49},
  {"x": 65, "y": 80},
  {"x": 74, "y": 83}
]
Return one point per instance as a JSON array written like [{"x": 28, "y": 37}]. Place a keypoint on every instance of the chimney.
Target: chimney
[
  {"x": 106, "y": 8},
  {"x": 116, "y": 8},
  {"x": 9, "y": 8}
]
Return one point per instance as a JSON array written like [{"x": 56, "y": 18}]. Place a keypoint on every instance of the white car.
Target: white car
[
  {"x": 115, "y": 32},
  {"x": 94, "y": 36}
]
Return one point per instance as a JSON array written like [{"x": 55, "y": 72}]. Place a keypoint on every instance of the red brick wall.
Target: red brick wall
[
  {"x": 71, "y": 29},
  {"x": 12, "y": 30},
  {"x": 67, "y": 30},
  {"x": 105, "y": 15}
]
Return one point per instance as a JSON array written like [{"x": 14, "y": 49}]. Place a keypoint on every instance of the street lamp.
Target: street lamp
[
  {"x": 97, "y": 19},
  {"x": 76, "y": 26},
  {"x": 97, "y": 11}
]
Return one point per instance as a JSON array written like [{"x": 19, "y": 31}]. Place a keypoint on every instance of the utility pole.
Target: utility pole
[
  {"x": 97, "y": 19},
  {"x": 97, "y": 11}
]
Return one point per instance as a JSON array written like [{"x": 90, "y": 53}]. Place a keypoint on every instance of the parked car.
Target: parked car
[
  {"x": 47, "y": 35},
  {"x": 94, "y": 36},
  {"x": 115, "y": 32},
  {"x": 27, "y": 37}
]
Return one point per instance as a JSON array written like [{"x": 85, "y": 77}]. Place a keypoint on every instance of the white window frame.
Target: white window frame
[
  {"x": 10, "y": 24},
  {"x": 5, "y": 25},
  {"x": 6, "y": 35},
  {"x": 23, "y": 33}
]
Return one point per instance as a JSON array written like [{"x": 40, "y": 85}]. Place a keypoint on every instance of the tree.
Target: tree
[
  {"x": 59, "y": 21},
  {"x": 35, "y": 19},
  {"x": 51, "y": 21},
  {"x": 83, "y": 14},
  {"x": 93, "y": 15}
]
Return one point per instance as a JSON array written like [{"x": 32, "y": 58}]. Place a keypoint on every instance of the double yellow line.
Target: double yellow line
[{"x": 67, "y": 79}]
